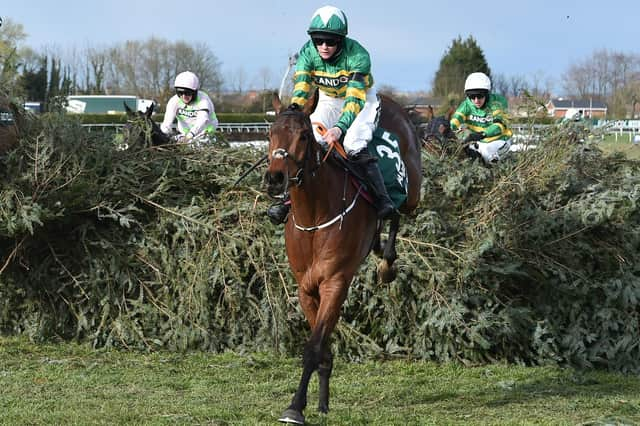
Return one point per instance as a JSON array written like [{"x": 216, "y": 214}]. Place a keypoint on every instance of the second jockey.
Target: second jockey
[{"x": 193, "y": 109}]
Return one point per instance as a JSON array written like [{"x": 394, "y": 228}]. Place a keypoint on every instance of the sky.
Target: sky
[{"x": 405, "y": 38}]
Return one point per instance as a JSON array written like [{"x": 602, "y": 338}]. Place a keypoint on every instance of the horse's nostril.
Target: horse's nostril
[{"x": 276, "y": 178}]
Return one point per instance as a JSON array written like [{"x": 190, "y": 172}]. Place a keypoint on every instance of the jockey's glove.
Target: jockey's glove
[{"x": 474, "y": 137}]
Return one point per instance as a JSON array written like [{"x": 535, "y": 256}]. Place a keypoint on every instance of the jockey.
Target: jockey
[
  {"x": 485, "y": 116},
  {"x": 194, "y": 110},
  {"x": 348, "y": 103}
]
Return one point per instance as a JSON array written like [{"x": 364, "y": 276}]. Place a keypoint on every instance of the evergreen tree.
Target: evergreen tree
[
  {"x": 462, "y": 58},
  {"x": 34, "y": 81}
]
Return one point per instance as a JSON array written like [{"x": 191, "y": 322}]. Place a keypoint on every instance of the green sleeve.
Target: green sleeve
[{"x": 302, "y": 78}]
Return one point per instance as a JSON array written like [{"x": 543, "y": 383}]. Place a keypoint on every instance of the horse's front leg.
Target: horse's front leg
[
  {"x": 317, "y": 355},
  {"x": 324, "y": 374},
  {"x": 309, "y": 303},
  {"x": 386, "y": 269}
]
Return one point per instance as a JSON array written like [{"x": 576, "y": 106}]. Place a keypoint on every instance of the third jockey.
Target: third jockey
[{"x": 485, "y": 116}]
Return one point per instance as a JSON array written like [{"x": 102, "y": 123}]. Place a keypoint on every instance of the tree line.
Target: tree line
[
  {"x": 607, "y": 75},
  {"x": 147, "y": 68}
]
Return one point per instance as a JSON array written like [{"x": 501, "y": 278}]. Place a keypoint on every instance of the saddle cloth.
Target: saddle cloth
[{"x": 386, "y": 148}]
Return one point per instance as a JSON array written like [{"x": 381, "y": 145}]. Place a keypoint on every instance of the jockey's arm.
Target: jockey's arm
[
  {"x": 167, "y": 123},
  {"x": 200, "y": 122},
  {"x": 499, "y": 125},
  {"x": 354, "y": 100}
]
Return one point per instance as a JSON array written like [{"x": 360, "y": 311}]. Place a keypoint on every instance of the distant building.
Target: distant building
[
  {"x": 590, "y": 108},
  {"x": 106, "y": 104}
]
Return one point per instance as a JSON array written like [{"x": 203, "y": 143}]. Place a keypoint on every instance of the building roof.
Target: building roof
[
  {"x": 561, "y": 103},
  {"x": 424, "y": 101}
]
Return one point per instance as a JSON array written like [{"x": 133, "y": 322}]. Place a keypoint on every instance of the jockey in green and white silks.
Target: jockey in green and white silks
[
  {"x": 193, "y": 109},
  {"x": 484, "y": 114},
  {"x": 348, "y": 101},
  {"x": 347, "y": 104}
]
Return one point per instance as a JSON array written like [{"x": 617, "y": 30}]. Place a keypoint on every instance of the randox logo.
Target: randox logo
[
  {"x": 478, "y": 119},
  {"x": 332, "y": 82},
  {"x": 187, "y": 112}
]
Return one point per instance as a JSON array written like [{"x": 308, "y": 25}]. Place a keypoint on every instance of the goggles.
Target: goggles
[
  {"x": 181, "y": 91},
  {"x": 476, "y": 95},
  {"x": 330, "y": 42}
]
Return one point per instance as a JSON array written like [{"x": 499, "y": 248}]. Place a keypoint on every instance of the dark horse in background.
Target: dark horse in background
[
  {"x": 141, "y": 129},
  {"x": 438, "y": 139},
  {"x": 331, "y": 229}
]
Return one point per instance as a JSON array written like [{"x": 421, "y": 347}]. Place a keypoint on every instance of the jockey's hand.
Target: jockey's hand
[
  {"x": 184, "y": 139},
  {"x": 332, "y": 136},
  {"x": 474, "y": 137}
]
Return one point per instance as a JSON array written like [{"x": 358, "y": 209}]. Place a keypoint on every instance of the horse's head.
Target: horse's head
[
  {"x": 438, "y": 128},
  {"x": 292, "y": 147},
  {"x": 141, "y": 129}
]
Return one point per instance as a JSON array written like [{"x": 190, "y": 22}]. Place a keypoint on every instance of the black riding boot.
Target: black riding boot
[
  {"x": 278, "y": 212},
  {"x": 383, "y": 203}
]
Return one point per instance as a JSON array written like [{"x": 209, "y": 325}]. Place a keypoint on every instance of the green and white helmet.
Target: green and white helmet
[{"x": 328, "y": 19}]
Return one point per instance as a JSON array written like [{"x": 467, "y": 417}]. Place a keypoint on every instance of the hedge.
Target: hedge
[{"x": 532, "y": 261}]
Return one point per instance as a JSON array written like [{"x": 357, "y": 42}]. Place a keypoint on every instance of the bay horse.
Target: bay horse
[
  {"x": 141, "y": 129},
  {"x": 331, "y": 228}
]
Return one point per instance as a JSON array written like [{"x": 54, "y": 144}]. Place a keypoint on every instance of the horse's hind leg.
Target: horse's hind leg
[
  {"x": 376, "y": 247},
  {"x": 386, "y": 270}
]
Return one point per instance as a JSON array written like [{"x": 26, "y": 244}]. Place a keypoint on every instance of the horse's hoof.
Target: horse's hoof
[
  {"x": 386, "y": 273},
  {"x": 292, "y": 416}
]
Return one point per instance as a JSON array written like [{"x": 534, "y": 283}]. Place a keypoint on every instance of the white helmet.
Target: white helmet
[
  {"x": 188, "y": 80},
  {"x": 477, "y": 81}
]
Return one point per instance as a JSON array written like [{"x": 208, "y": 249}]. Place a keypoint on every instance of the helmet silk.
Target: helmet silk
[{"x": 330, "y": 20}]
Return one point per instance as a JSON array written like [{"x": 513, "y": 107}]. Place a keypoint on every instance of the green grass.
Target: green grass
[
  {"x": 622, "y": 143},
  {"x": 71, "y": 384}
]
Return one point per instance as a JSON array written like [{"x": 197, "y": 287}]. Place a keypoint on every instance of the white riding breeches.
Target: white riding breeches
[
  {"x": 361, "y": 130},
  {"x": 491, "y": 151}
]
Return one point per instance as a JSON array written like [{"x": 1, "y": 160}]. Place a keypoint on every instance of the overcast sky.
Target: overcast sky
[{"x": 406, "y": 39}]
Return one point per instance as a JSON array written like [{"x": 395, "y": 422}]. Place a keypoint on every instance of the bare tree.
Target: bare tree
[
  {"x": 540, "y": 85},
  {"x": 601, "y": 75},
  {"x": 237, "y": 79}
]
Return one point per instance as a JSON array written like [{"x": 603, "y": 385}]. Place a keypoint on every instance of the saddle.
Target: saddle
[{"x": 385, "y": 147}]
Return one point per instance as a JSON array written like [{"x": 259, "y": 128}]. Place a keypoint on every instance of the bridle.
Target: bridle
[
  {"x": 301, "y": 165},
  {"x": 298, "y": 178}
]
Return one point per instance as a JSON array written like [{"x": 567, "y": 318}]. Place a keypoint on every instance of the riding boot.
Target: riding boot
[
  {"x": 278, "y": 212},
  {"x": 383, "y": 204}
]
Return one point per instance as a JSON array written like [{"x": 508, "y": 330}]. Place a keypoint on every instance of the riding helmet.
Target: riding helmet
[
  {"x": 187, "y": 80},
  {"x": 328, "y": 20}
]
